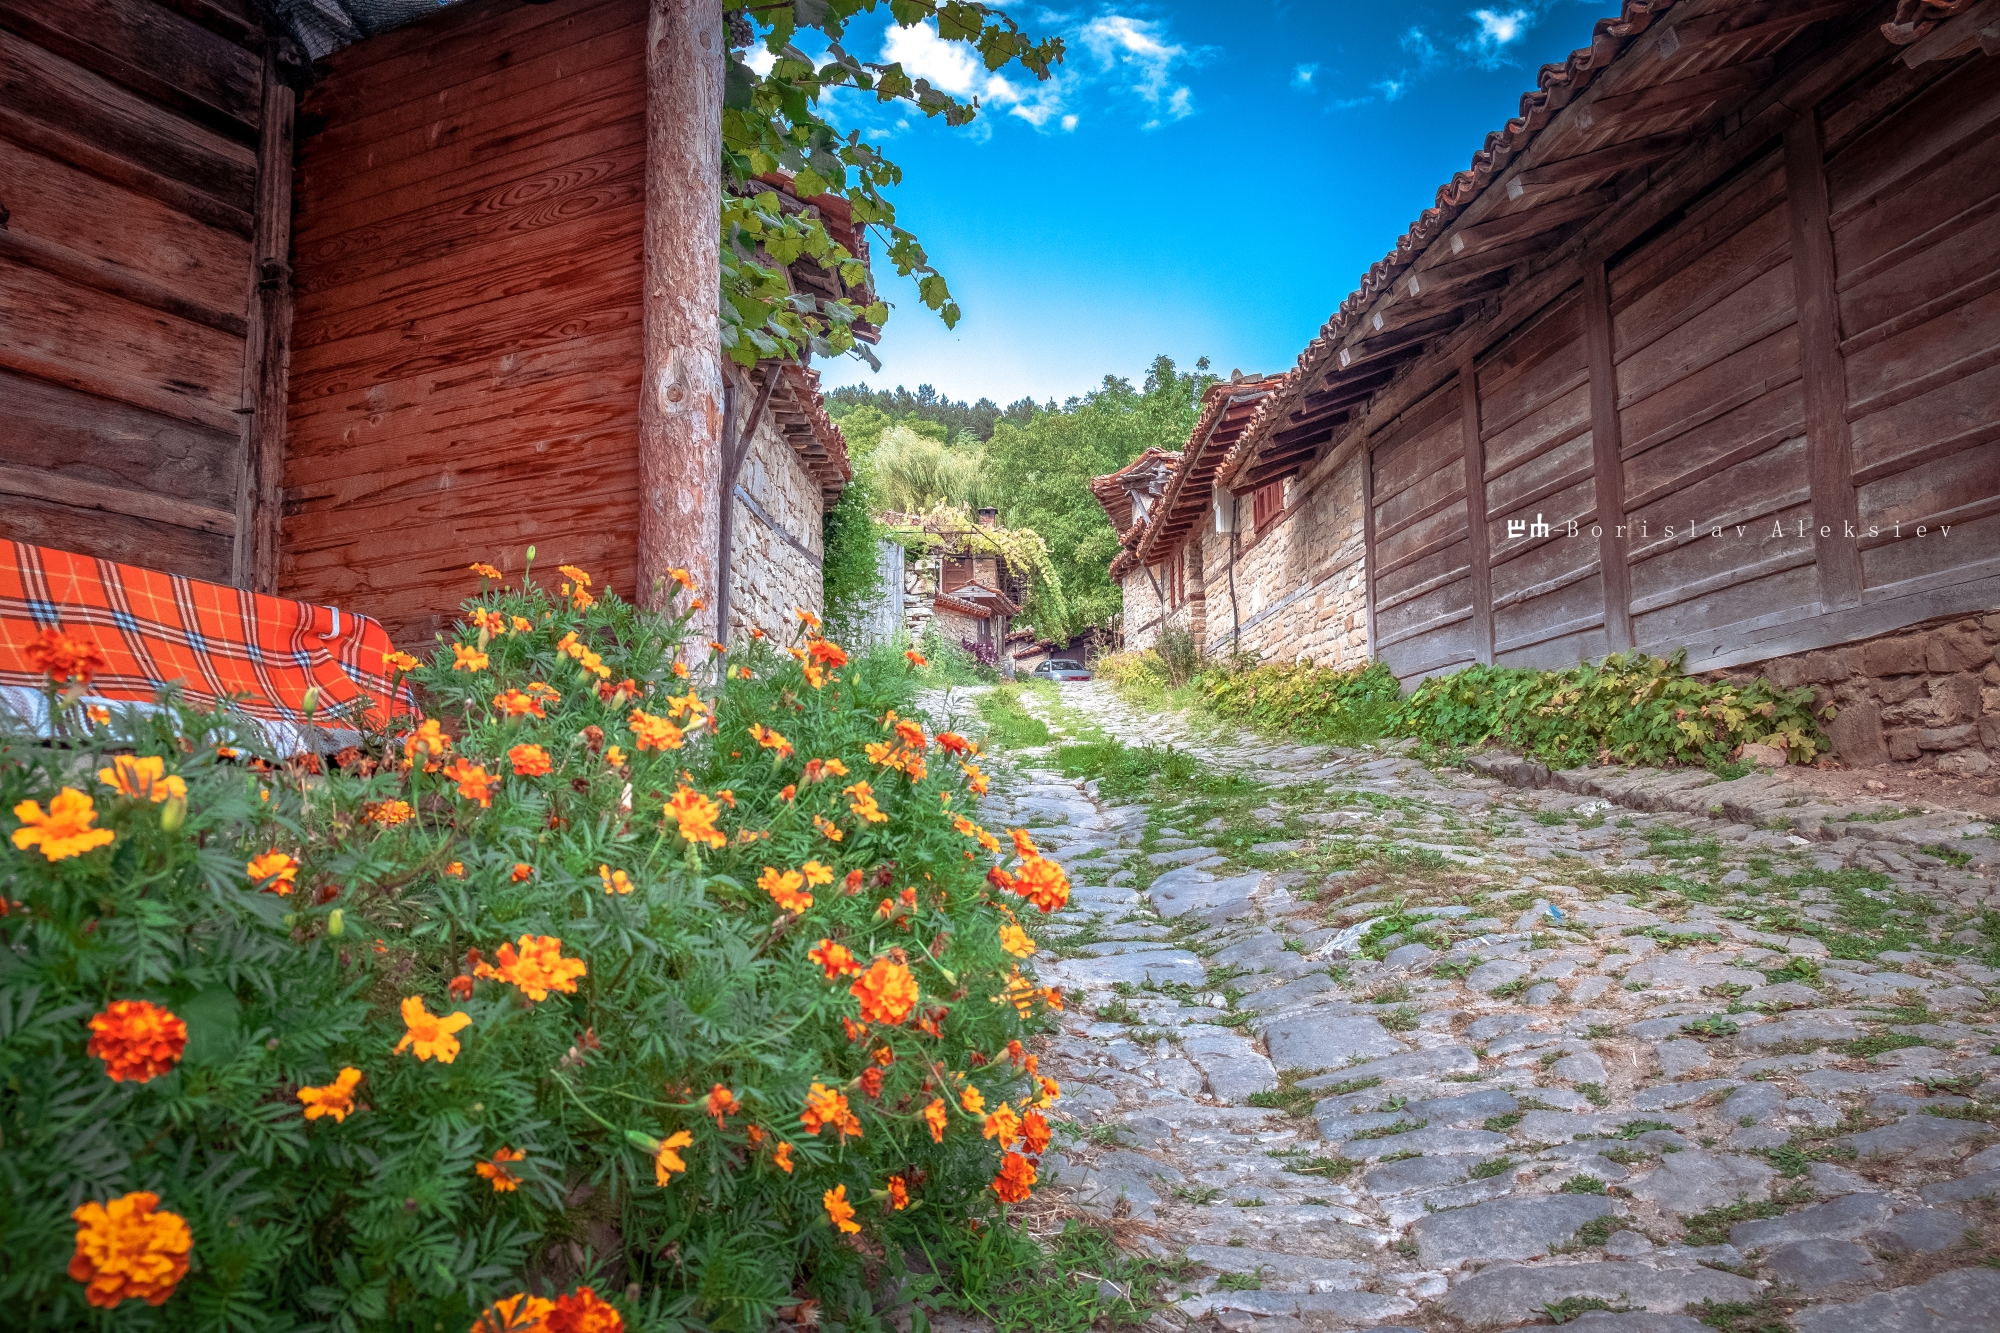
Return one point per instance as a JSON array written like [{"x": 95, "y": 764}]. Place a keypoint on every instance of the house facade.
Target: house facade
[
  {"x": 329, "y": 311},
  {"x": 1699, "y": 355}
]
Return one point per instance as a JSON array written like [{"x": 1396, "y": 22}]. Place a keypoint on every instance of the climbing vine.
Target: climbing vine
[{"x": 952, "y": 528}]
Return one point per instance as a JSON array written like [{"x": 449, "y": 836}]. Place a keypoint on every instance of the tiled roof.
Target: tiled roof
[{"x": 798, "y": 410}]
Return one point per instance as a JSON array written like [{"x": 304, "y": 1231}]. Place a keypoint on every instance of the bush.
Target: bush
[
  {"x": 1180, "y": 656},
  {"x": 1319, "y": 703},
  {"x": 639, "y": 913}
]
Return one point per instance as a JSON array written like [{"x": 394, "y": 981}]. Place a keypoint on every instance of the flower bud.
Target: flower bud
[
  {"x": 336, "y": 923},
  {"x": 310, "y": 701},
  {"x": 173, "y": 813},
  {"x": 643, "y": 1142},
  {"x": 290, "y": 919}
]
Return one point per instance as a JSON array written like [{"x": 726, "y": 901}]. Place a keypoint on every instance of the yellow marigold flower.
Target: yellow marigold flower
[
  {"x": 574, "y": 575},
  {"x": 786, "y": 888},
  {"x": 817, "y": 874},
  {"x": 655, "y": 733},
  {"x": 667, "y": 1161},
  {"x": 937, "y": 1116},
  {"x": 490, "y": 621},
  {"x": 887, "y": 992},
  {"x": 1004, "y": 1125},
  {"x": 142, "y": 778},
  {"x": 864, "y": 803},
  {"x": 535, "y": 968},
  {"x": 514, "y": 703},
  {"x": 815, "y": 675},
  {"x": 467, "y": 659},
  {"x": 615, "y": 881},
  {"x": 389, "y": 813},
  {"x": 279, "y": 868},
  {"x": 839, "y": 1211},
  {"x": 614, "y": 756},
  {"x": 530, "y": 761},
  {"x": 474, "y": 782},
  {"x": 64, "y": 831},
  {"x": 129, "y": 1247},
  {"x": 828, "y": 827},
  {"x": 971, "y": 1099},
  {"x": 504, "y": 1181},
  {"x": 522, "y": 624},
  {"x": 430, "y": 1035},
  {"x": 429, "y": 739},
  {"x": 1015, "y": 941},
  {"x": 883, "y": 754},
  {"x": 696, "y": 814},
  {"x": 835, "y": 767},
  {"x": 770, "y": 739},
  {"x": 899, "y": 1193},
  {"x": 484, "y": 570},
  {"x": 335, "y": 1099},
  {"x": 519, "y": 1313},
  {"x": 402, "y": 662},
  {"x": 137, "y": 1040},
  {"x": 690, "y": 702}
]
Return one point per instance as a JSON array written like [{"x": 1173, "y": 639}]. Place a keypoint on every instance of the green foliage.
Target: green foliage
[
  {"x": 1629, "y": 708},
  {"x": 913, "y": 473},
  {"x": 958, "y": 420},
  {"x": 1572, "y": 1307},
  {"x": 693, "y": 978},
  {"x": 1001, "y": 1275},
  {"x": 1712, "y": 1227},
  {"x": 851, "y": 573},
  {"x": 1583, "y": 1185},
  {"x": 1499, "y": 1166},
  {"x": 1314, "y": 703},
  {"x": 1010, "y": 725}
]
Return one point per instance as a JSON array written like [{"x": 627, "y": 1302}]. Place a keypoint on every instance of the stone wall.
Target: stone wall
[
  {"x": 769, "y": 572},
  {"x": 1143, "y": 621},
  {"x": 1926, "y": 697}
]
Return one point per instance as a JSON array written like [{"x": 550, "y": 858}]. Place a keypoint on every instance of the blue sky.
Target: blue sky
[{"x": 1202, "y": 177}]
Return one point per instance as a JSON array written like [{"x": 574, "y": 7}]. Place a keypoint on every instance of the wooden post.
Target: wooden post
[
  {"x": 1829, "y": 450},
  {"x": 266, "y": 346},
  {"x": 1368, "y": 540},
  {"x": 1475, "y": 508},
  {"x": 680, "y": 394},
  {"x": 1607, "y": 465}
]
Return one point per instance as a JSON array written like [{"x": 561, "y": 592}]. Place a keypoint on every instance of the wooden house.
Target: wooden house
[
  {"x": 319, "y": 300},
  {"x": 1702, "y": 353}
]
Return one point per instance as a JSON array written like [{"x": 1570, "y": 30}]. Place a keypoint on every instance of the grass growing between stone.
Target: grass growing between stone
[{"x": 1059, "y": 1285}]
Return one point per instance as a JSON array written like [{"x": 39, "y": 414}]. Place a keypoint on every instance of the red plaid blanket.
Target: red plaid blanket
[{"x": 219, "y": 642}]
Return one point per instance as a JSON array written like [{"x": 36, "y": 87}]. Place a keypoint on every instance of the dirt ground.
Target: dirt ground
[{"x": 1919, "y": 786}]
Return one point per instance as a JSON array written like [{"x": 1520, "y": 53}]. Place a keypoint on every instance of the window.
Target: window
[{"x": 1269, "y": 504}]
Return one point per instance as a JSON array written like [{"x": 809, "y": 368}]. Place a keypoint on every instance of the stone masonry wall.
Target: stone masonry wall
[
  {"x": 1301, "y": 588},
  {"x": 1927, "y": 696},
  {"x": 769, "y": 575},
  {"x": 1142, "y": 611}
]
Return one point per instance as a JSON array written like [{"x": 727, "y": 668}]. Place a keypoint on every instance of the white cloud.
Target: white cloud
[
  {"x": 949, "y": 66},
  {"x": 1137, "y": 54},
  {"x": 1498, "y": 30},
  {"x": 1302, "y": 76},
  {"x": 1391, "y": 89},
  {"x": 1069, "y": 122},
  {"x": 759, "y": 59}
]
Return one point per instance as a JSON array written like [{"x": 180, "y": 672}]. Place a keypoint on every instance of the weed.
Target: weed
[
  {"x": 1951, "y": 855},
  {"x": 1712, "y": 1227},
  {"x": 1455, "y": 970},
  {"x": 1627, "y": 1156},
  {"x": 1632, "y": 1129},
  {"x": 1404, "y": 1019},
  {"x": 1595, "y": 1092},
  {"x": 1198, "y": 1195},
  {"x": 1350, "y": 1085},
  {"x": 1500, "y": 1124},
  {"x": 1769, "y": 1313},
  {"x": 1394, "y": 994},
  {"x": 1241, "y": 1281},
  {"x": 1117, "y": 1012},
  {"x": 1386, "y": 1131},
  {"x": 1712, "y": 1026},
  {"x": 1875, "y": 1044},
  {"x": 1499, "y": 1166},
  {"x": 1583, "y": 1185},
  {"x": 1570, "y": 1307},
  {"x": 1508, "y": 989},
  {"x": 1596, "y": 1231},
  {"x": 1287, "y": 1096},
  {"x": 1332, "y": 1168}
]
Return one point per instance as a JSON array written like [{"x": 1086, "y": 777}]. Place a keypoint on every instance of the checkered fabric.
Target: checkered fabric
[{"x": 217, "y": 641}]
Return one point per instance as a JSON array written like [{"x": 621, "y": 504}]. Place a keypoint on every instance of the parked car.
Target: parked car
[{"x": 1061, "y": 669}]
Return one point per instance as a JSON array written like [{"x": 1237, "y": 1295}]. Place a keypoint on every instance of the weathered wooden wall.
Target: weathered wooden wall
[
  {"x": 466, "y": 346},
  {"x": 1758, "y": 407},
  {"x": 132, "y": 331}
]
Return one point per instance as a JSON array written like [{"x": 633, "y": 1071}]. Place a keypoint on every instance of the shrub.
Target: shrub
[
  {"x": 1318, "y": 703},
  {"x": 1180, "y": 657},
  {"x": 690, "y": 985}
]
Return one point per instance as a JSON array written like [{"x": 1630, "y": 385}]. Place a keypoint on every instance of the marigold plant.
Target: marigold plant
[{"x": 277, "y": 1026}]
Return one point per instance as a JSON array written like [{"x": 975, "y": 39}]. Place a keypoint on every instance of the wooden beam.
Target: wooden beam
[
  {"x": 59, "y": 488},
  {"x": 1395, "y": 312},
  {"x": 1315, "y": 428},
  {"x": 680, "y": 389},
  {"x": 1974, "y": 28},
  {"x": 1491, "y": 260},
  {"x": 1475, "y": 507},
  {"x": 1829, "y": 450},
  {"x": 88, "y": 155},
  {"x": 1529, "y": 222},
  {"x": 1368, "y": 556},
  {"x": 1362, "y": 347},
  {"x": 256, "y": 559},
  {"x": 1607, "y": 467},
  {"x": 1747, "y": 23},
  {"x": 1599, "y": 164},
  {"x": 1338, "y": 391},
  {"x": 105, "y": 276},
  {"x": 1673, "y": 95}
]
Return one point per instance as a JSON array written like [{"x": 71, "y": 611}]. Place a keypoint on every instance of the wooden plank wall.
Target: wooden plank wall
[
  {"x": 1804, "y": 354},
  {"x": 466, "y": 340},
  {"x": 129, "y": 196}
]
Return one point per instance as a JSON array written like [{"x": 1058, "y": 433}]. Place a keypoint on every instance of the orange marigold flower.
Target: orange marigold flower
[
  {"x": 467, "y": 659},
  {"x": 1003, "y": 1124},
  {"x": 456, "y": 870},
  {"x": 975, "y": 779},
  {"x": 459, "y": 987},
  {"x": 1000, "y": 879},
  {"x": 917, "y": 659},
  {"x": 129, "y": 1247},
  {"x": 1015, "y": 941},
  {"x": 681, "y": 670},
  {"x": 689, "y": 703},
  {"x": 484, "y": 570},
  {"x": 782, "y": 1158},
  {"x": 513, "y": 703},
  {"x": 614, "y": 756},
  {"x": 770, "y": 739},
  {"x": 852, "y": 884},
  {"x": 1043, "y": 883},
  {"x": 583, "y": 1312},
  {"x": 491, "y": 621},
  {"x": 428, "y": 738},
  {"x": 1035, "y": 1132},
  {"x": 530, "y": 761},
  {"x": 855, "y": 1032},
  {"x": 681, "y": 577},
  {"x": 615, "y": 881},
  {"x": 787, "y": 792},
  {"x": 1050, "y": 1090},
  {"x": 1024, "y": 845},
  {"x": 884, "y": 1056},
  {"x": 520, "y": 872},
  {"x": 835, "y": 959},
  {"x": 937, "y": 1116},
  {"x": 335, "y": 1099},
  {"x": 827, "y": 651},
  {"x": 972, "y": 1100},
  {"x": 504, "y": 1181},
  {"x": 806, "y": 617},
  {"x": 535, "y": 968},
  {"x": 887, "y": 992},
  {"x": 430, "y": 1035},
  {"x": 1016, "y": 1175},
  {"x": 864, "y": 803},
  {"x": 142, "y": 777},
  {"x": 655, "y": 733},
  {"x": 62, "y": 657},
  {"x": 99, "y": 715},
  {"x": 668, "y": 1160},
  {"x": 826, "y": 1108},
  {"x": 953, "y": 742},
  {"x": 137, "y": 1040},
  {"x": 279, "y": 868},
  {"x": 400, "y": 661},
  {"x": 912, "y": 734},
  {"x": 573, "y": 574},
  {"x": 871, "y": 1080},
  {"x": 65, "y": 830},
  {"x": 838, "y": 1210},
  {"x": 389, "y": 813},
  {"x": 474, "y": 782},
  {"x": 721, "y": 1101},
  {"x": 834, "y": 768},
  {"x": 696, "y": 814},
  {"x": 519, "y": 1313},
  {"x": 815, "y": 675},
  {"x": 817, "y": 874},
  {"x": 883, "y": 753},
  {"x": 828, "y": 827}
]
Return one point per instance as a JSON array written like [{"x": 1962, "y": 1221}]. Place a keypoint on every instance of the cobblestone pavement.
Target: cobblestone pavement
[{"x": 1376, "y": 1046}]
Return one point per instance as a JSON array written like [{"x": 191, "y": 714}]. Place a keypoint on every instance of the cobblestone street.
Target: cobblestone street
[{"x": 1378, "y": 1046}]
